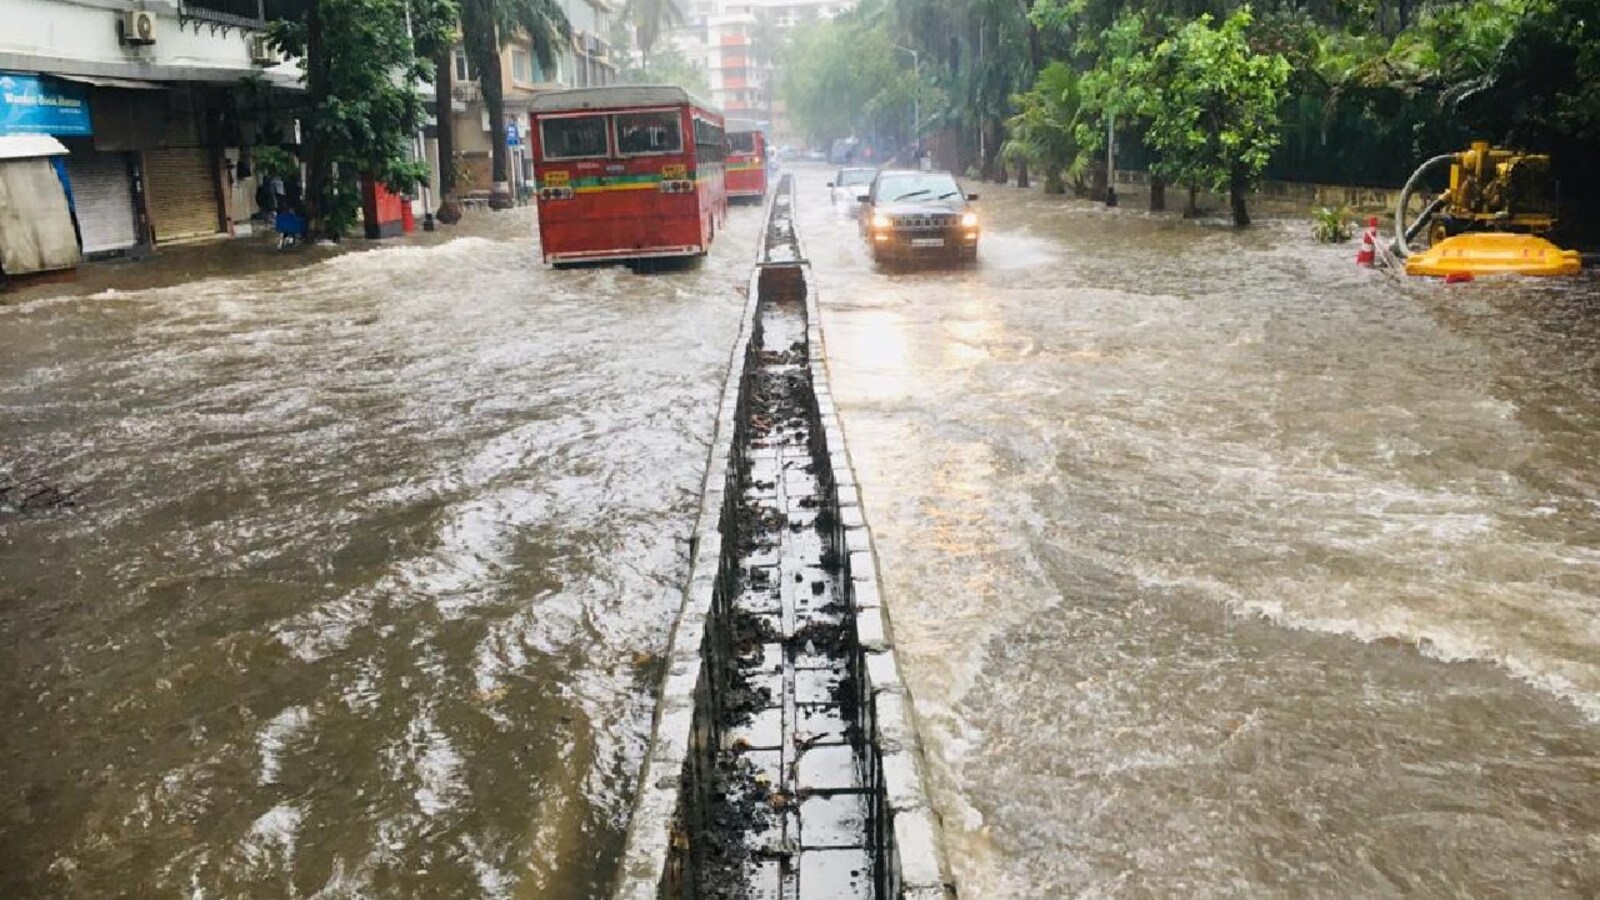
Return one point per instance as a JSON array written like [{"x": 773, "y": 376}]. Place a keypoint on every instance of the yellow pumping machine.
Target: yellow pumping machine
[{"x": 1490, "y": 219}]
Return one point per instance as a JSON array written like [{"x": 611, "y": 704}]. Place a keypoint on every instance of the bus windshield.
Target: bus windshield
[
  {"x": 648, "y": 132},
  {"x": 742, "y": 142}
]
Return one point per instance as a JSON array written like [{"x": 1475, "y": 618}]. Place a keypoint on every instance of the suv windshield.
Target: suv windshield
[
  {"x": 855, "y": 176},
  {"x": 917, "y": 186}
]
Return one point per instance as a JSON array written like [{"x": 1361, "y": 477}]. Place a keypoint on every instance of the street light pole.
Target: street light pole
[{"x": 916, "y": 98}]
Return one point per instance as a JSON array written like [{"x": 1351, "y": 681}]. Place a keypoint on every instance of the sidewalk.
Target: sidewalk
[{"x": 183, "y": 263}]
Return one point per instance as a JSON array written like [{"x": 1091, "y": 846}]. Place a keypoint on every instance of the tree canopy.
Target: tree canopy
[{"x": 1208, "y": 91}]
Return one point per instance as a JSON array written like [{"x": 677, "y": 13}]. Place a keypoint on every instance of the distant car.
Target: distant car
[
  {"x": 848, "y": 184},
  {"x": 908, "y": 214}
]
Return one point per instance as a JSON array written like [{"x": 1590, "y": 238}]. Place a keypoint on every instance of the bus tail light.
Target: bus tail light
[
  {"x": 555, "y": 193},
  {"x": 677, "y": 186}
]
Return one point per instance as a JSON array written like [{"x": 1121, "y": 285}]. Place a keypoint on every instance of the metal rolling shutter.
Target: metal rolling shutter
[
  {"x": 182, "y": 193},
  {"x": 104, "y": 196}
]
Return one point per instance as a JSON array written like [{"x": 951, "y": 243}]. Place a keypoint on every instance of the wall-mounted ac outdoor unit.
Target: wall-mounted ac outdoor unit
[
  {"x": 261, "y": 51},
  {"x": 138, "y": 27}
]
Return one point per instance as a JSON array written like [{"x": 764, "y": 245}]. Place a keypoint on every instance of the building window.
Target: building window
[
  {"x": 521, "y": 66},
  {"x": 463, "y": 68}
]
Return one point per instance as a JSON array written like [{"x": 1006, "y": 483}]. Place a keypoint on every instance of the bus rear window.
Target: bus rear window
[
  {"x": 651, "y": 132},
  {"x": 742, "y": 142},
  {"x": 573, "y": 138}
]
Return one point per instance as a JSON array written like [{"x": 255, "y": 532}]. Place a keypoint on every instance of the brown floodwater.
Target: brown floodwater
[
  {"x": 370, "y": 558},
  {"x": 1223, "y": 568},
  {"x": 1220, "y": 568}
]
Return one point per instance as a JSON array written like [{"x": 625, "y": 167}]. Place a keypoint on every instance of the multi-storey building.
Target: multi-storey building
[
  {"x": 586, "y": 62},
  {"x": 147, "y": 99},
  {"x": 738, "y": 42}
]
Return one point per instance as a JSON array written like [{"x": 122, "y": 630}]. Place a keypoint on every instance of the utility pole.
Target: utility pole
[
  {"x": 1111, "y": 159},
  {"x": 916, "y": 98}
]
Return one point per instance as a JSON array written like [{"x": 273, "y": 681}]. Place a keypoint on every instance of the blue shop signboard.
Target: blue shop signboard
[{"x": 30, "y": 104}]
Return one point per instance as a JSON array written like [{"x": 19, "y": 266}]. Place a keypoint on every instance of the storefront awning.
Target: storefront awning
[
  {"x": 124, "y": 83},
  {"x": 29, "y": 146}
]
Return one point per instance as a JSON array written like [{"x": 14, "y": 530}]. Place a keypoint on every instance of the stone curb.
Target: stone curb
[{"x": 656, "y": 806}]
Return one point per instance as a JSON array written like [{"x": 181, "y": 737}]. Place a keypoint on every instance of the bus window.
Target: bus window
[
  {"x": 649, "y": 132},
  {"x": 742, "y": 142},
  {"x": 709, "y": 142},
  {"x": 577, "y": 137}
]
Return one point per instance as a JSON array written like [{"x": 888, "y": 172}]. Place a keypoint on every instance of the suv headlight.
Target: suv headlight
[
  {"x": 879, "y": 220},
  {"x": 969, "y": 220}
]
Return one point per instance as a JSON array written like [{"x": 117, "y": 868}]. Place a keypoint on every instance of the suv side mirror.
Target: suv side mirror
[
  {"x": 863, "y": 198},
  {"x": 972, "y": 196},
  {"x": 830, "y": 185}
]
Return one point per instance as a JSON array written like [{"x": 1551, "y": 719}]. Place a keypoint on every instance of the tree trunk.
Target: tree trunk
[
  {"x": 1158, "y": 193},
  {"x": 495, "y": 99},
  {"x": 449, "y": 210},
  {"x": 482, "y": 41},
  {"x": 1022, "y": 174},
  {"x": 1052, "y": 181},
  {"x": 997, "y": 140},
  {"x": 317, "y": 162},
  {"x": 1192, "y": 211},
  {"x": 1097, "y": 181},
  {"x": 1238, "y": 184}
]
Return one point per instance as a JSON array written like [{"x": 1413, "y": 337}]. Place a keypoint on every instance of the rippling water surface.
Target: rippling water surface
[
  {"x": 370, "y": 560},
  {"x": 1225, "y": 569}
]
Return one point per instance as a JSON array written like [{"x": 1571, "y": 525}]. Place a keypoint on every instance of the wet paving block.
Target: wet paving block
[
  {"x": 817, "y": 649},
  {"x": 764, "y": 879},
  {"x": 818, "y": 685},
  {"x": 797, "y": 483},
  {"x": 835, "y": 874},
  {"x": 829, "y": 769},
  {"x": 820, "y": 724},
  {"x": 768, "y": 766},
  {"x": 764, "y": 731},
  {"x": 833, "y": 820},
  {"x": 770, "y": 835}
]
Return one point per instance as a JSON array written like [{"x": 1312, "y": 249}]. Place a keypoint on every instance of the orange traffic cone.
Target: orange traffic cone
[{"x": 1368, "y": 253}]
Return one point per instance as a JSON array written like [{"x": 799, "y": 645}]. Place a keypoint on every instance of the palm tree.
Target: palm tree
[
  {"x": 486, "y": 26},
  {"x": 650, "y": 18}
]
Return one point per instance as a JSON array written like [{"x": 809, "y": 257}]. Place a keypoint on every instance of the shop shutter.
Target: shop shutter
[
  {"x": 182, "y": 193},
  {"x": 103, "y": 193}
]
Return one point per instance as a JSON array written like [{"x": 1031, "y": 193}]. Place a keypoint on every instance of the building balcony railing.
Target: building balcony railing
[
  {"x": 466, "y": 91},
  {"x": 246, "y": 15}
]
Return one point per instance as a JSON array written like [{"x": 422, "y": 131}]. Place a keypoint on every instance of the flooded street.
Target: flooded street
[
  {"x": 1218, "y": 567},
  {"x": 369, "y": 568},
  {"x": 1221, "y": 568}
]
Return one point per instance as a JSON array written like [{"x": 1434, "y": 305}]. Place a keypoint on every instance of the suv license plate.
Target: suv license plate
[{"x": 927, "y": 242}]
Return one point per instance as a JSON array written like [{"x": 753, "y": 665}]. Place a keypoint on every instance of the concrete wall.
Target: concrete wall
[{"x": 80, "y": 37}]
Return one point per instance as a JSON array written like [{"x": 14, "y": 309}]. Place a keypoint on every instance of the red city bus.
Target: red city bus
[
  {"x": 747, "y": 160},
  {"x": 627, "y": 172}
]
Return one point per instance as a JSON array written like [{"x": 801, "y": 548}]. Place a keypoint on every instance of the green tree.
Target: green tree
[
  {"x": 669, "y": 66},
  {"x": 1118, "y": 90},
  {"x": 362, "y": 113},
  {"x": 650, "y": 18},
  {"x": 1044, "y": 130},
  {"x": 1214, "y": 120},
  {"x": 843, "y": 78},
  {"x": 486, "y": 27}
]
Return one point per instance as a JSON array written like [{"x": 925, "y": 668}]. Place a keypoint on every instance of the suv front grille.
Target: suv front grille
[{"x": 928, "y": 222}]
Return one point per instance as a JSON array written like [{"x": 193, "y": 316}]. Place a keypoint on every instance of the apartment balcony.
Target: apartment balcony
[
  {"x": 466, "y": 92},
  {"x": 246, "y": 15}
]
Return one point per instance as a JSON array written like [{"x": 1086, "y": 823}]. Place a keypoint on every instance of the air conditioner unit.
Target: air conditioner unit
[
  {"x": 261, "y": 51},
  {"x": 138, "y": 27}
]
